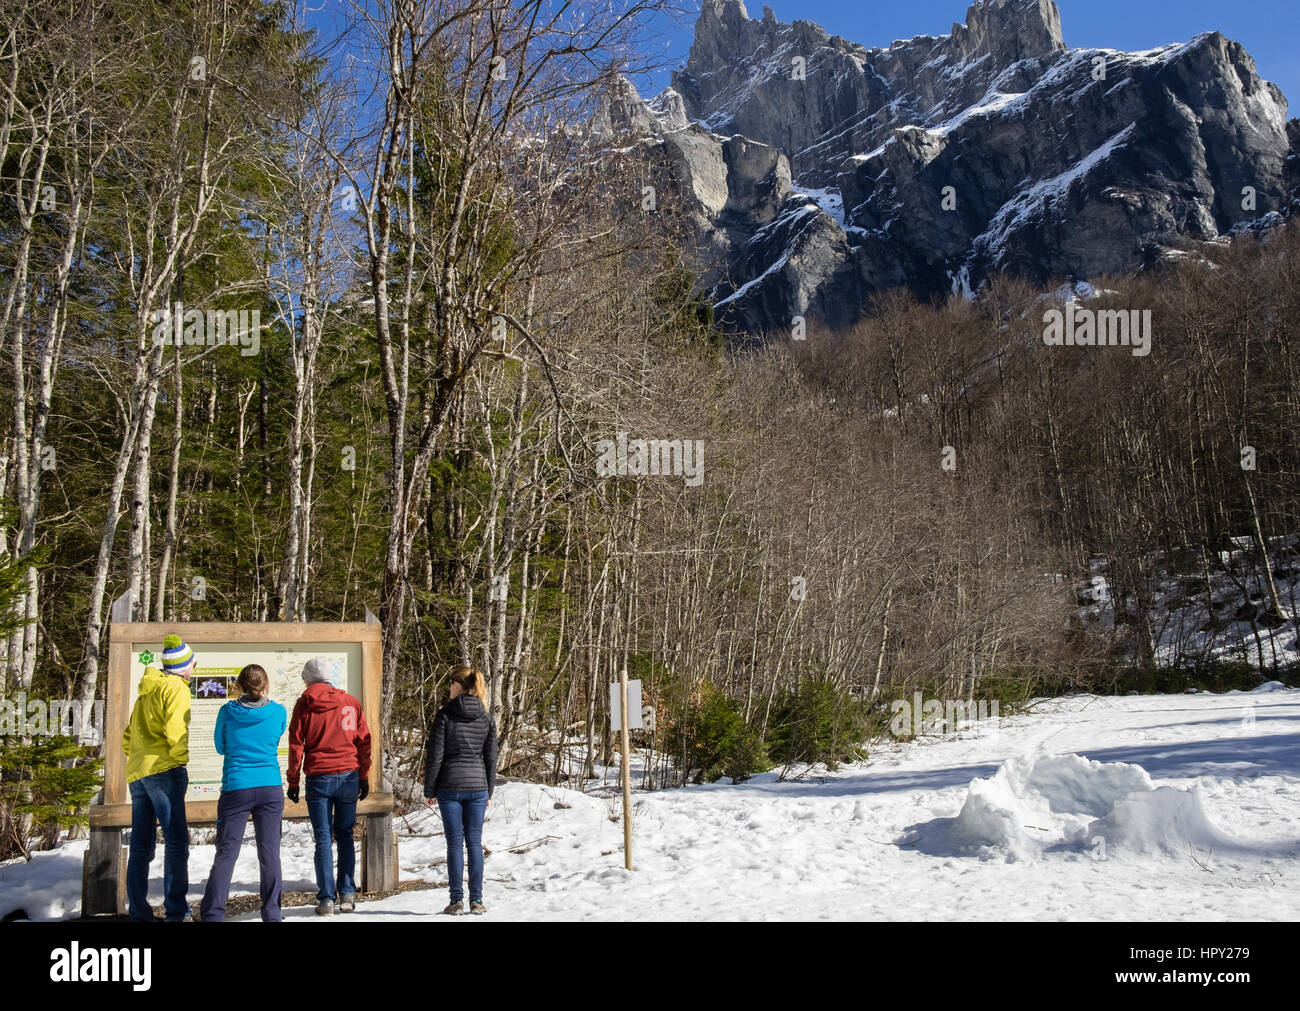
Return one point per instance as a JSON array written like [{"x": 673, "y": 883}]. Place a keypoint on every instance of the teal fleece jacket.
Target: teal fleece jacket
[{"x": 248, "y": 736}]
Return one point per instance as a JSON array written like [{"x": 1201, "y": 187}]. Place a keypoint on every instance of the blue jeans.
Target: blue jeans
[
  {"x": 462, "y": 821},
  {"x": 332, "y": 806},
  {"x": 159, "y": 800}
]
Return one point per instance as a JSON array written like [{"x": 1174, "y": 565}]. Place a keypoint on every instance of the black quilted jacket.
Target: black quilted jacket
[{"x": 462, "y": 750}]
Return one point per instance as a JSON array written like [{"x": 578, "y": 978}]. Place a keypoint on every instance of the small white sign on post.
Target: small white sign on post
[{"x": 633, "y": 705}]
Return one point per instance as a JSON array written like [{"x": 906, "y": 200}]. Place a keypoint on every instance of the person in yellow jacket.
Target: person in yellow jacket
[{"x": 157, "y": 747}]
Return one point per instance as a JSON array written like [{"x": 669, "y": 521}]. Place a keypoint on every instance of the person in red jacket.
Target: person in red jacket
[{"x": 329, "y": 739}]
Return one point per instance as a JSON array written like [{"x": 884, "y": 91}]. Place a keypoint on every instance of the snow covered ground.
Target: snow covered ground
[
  {"x": 1233, "y": 625},
  {"x": 1181, "y": 807}
]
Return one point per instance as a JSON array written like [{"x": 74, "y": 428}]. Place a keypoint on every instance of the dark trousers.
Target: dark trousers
[
  {"x": 159, "y": 800},
  {"x": 266, "y": 805},
  {"x": 462, "y": 821}
]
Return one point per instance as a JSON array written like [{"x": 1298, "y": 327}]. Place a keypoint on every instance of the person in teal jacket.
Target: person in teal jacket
[{"x": 248, "y": 734}]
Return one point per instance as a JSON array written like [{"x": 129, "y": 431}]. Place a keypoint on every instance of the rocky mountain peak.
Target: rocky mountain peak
[
  {"x": 936, "y": 161},
  {"x": 819, "y": 97},
  {"x": 1011, "y": 30}
]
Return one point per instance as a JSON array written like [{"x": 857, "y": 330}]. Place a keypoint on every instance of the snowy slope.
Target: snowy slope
[
  {"x": 1232, "y": 626},
  {"x": 1196, "y": 796}
]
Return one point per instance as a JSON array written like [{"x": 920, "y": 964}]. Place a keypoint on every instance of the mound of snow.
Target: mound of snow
[
  {"x": 1075, "y": 785},
  {"x": 993, "y": 818},
  {"x": 1164, "y": 821},
  {"x": 1035, "y": 803},
  {"x": 1032, "y": 801},
  {"x": 522, "y": 803},
  {"x": 1271, "y": 686},
  {"x": 47, "y": 888}
]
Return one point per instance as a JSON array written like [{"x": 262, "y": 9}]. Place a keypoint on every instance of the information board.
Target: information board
[
  {"x": 213, "y": 686},
  {"x": 221, "y": 650}
]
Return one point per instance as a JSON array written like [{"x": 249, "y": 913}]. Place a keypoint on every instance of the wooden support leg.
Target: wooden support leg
[
  {"x": 379, "y": 855},
  {"x": 103, "y": 874}
]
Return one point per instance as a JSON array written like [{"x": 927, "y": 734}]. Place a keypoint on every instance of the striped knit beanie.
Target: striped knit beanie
[{"x": 176, "y": 655}]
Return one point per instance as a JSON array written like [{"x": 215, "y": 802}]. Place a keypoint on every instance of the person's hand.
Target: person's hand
[
  {"x": 292, "y": 794},
  {"x": 363, "y": 791},
  {"x": 430, "y": 801}
]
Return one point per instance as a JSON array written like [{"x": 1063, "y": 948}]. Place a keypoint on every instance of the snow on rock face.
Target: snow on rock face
[
  {"x": 819, "y": 97},
  {"x": 1035, "y": 803},
  {"x": 1020, "y": 130}
]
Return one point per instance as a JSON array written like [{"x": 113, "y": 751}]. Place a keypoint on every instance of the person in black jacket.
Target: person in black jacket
[{"x": 460, "y": 773}]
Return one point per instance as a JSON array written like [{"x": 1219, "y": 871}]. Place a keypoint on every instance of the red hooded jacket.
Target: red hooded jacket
[{"x": 328, "y": 733}]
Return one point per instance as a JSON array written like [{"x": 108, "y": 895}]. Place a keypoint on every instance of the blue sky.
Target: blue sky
[{"x": 1269, "y": 29}]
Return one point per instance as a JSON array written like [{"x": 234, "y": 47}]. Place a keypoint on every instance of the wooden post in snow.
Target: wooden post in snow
[{"x": 627, "y": 773}]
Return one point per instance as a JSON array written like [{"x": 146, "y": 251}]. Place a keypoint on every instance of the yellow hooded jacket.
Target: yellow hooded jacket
[{"x": 157, "y": 738}]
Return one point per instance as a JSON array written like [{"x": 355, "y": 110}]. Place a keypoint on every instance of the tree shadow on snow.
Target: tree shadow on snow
[{"x": 1275, "y": 754}]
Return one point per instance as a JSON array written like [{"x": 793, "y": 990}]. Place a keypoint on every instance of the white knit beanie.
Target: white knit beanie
[{"x": 318, "y": 669}]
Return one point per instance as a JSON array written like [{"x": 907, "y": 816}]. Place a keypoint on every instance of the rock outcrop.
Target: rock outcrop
[{"x": 823, "y": 171}]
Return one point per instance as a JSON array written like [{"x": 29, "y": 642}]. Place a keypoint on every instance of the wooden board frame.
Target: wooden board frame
[{"x": 114, "y": 811}]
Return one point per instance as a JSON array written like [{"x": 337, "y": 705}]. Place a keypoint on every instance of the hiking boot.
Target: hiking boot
[
  {"x": 477, "y": 908},
  {"x": 325, "y": 908},
  {"x": 454, "y": 909},
  {"x": 346, "y": 904}
]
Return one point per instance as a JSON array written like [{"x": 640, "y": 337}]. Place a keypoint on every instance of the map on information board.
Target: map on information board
[{"x": 213, "y": 685}]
